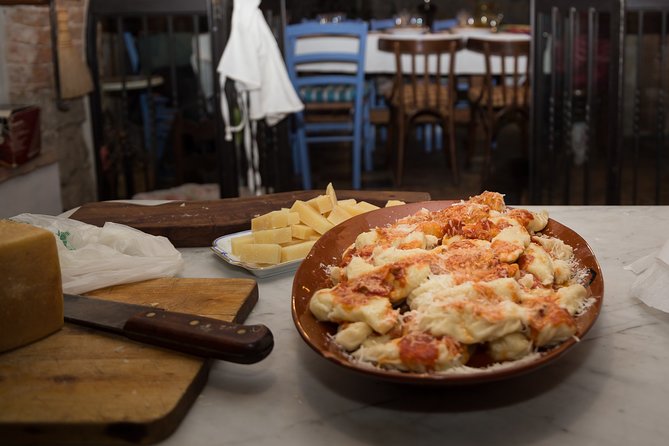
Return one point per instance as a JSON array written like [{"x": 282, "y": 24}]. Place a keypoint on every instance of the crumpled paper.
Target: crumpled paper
[{"x": 652, "y": 282}]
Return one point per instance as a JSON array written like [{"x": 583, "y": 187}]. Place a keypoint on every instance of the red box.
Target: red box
[{"x": 20, "y": 134}]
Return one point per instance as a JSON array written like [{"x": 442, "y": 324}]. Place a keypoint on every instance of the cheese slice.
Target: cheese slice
[
  {"x": 310, "y": 217},
  {"x": 268, "y": 253},
  {"x": 338, "y": 215},
  {"x": 303, "y": 232},
  {"x": 279, "y": 235},
  {"x": 296, "y": 251},
  {"x": 31, "y": 293},
  {"x": 237, "y": 242}
]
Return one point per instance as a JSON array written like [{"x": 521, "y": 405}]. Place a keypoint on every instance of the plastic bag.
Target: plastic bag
[{"x": 92, "y": 257}]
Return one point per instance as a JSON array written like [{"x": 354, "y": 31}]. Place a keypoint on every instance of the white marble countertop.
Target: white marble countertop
[{"x": 612, "y": 388}]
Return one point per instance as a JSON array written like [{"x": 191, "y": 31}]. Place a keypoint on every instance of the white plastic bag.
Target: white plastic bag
[{"x": 92, "y": 257}]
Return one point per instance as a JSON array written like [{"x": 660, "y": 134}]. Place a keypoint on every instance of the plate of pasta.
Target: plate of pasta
[{"x": 447, "y": 292}]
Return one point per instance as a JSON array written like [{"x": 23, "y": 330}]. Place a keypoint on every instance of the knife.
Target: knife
[{"x": 188, "y": 333}]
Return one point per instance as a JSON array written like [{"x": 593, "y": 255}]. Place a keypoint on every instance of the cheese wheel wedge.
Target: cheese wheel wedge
[{"x": 31, "y": 294}]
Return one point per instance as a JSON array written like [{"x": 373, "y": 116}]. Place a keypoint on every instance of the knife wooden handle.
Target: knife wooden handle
[{"x": 201, "y": 336}]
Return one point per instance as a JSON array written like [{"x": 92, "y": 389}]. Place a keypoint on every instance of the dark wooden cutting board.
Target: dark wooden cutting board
[
  {"x": 199, "y": 223},
  {"x": 82, "y": 386}
]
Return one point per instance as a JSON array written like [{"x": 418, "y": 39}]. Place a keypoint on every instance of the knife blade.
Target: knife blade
[{"x": 187, "y": 333}]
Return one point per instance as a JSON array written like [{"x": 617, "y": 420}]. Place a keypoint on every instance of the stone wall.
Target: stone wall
[{"x": 28, "y": 78}]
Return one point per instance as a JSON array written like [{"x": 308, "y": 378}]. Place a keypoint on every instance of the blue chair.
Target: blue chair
[
  {"x": 381, "y": 24},
  {"x": 336, "y": 107},
  {"x": 444, "y": 24}
]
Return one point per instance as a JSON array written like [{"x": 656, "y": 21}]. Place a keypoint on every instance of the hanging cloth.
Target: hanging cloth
[{"x": 252, "y": 59}]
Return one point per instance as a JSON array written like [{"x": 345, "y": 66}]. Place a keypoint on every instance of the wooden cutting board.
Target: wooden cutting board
[
  {"x": 82, "y": 386},
  {"x": 199, "y": 223}
]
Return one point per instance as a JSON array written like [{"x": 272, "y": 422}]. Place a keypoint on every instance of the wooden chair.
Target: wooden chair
[
  {"x": 423, "y": 91},
  {"x": 500, "y": 97}
]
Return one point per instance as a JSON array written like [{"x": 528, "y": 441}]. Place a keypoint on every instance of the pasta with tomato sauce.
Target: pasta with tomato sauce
[{"x": 424, "y": 293}]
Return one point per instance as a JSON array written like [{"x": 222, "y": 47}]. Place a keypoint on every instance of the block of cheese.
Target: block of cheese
[
  {"x": 275, "y": 219},
  {"x": 279, "y": 235},
  {"x": 303, "y": 232},
  {"x": 268, "y": 253},
  {"x": 366, "y": 207},
  {"x": 321, "y": 203},
  {"x": 356, "y": 208},
  {"x": 31, "y": 293},
  {"x": 338, "y": 215},
  {"x": 391, "y": 203},
  {"x": 237, "y": 242},
  {"x": 310, "y": 217},
  {"x": 296, "y": 251}
]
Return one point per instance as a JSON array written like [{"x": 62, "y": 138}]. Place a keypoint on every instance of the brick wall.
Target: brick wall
[{"x": 29, "y": 79}]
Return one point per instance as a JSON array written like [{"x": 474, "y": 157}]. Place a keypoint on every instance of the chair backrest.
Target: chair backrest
[
  {"x": 420, "y": 62},
  {"x": 516, "y": 79},
  {"x": 444, "y": 24},
  {"x": 350, "y": 55},
  {"x": 381, "y": 24}
]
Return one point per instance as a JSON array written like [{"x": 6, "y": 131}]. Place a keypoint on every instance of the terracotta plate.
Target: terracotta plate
[{"x": 311, "y": 276}]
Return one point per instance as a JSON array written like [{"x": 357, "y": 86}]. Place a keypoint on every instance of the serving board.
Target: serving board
[
  {"x": 199, "y": 223},
  {"x": 86, "y": 387}
]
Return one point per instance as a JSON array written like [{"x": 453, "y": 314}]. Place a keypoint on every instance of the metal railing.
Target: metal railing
[
  {"x": 153, "y": 81},
  {"x": 599, "y": 101}
]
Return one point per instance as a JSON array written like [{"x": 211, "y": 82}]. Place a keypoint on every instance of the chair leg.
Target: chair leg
[
  {"x": 449, "y": 126},
  {"x": 471, "y": 136},
  {"x": 401, "y": 141},
  {"x": 428, "y": 136},
  {"x": 358, "y": 144},
  {"x": 303, "y": 154},
  {"x": 487, "y": 160},
  {"x": 370, "y": 138},
  {"x": 295, "y": 152}
]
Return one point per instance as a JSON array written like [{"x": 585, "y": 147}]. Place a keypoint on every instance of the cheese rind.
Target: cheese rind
[{"x": 31, "y": 294}]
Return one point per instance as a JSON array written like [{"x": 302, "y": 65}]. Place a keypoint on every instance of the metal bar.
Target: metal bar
[
  {"x": 590, "y": 96},
  {"x": 219, "y": 19},
  {"x": 568, "y": 104},
  {"x": 152, "y": 168},
  {"x": 616, "y": 86},
  {"x": 553, "y": 102},
  {"x": 661, "y": 111},
  {"x": 130, "y": 7},
  {"x": 198, "y": 63},
  {"x": 173, "y": 69},
  {"x": 123, "y": 133},
  {"x": 96, "y": 105},
  {"x": 537, "y": 77},
  {"x": 636, "y": 109}
]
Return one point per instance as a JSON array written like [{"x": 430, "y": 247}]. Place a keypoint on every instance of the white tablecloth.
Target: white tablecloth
[{"x": 383, "y": 62}]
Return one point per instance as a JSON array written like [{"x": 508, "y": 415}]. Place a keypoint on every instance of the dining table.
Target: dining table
[
  {"x": 611, "y": 388},
  {"x": 381, "y": 62}
]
